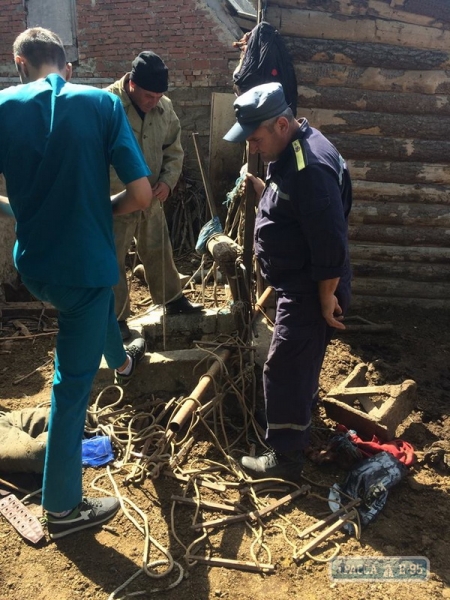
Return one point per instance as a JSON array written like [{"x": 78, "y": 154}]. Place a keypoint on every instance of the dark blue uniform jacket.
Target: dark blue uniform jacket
[{"x": 301, "y": 225}]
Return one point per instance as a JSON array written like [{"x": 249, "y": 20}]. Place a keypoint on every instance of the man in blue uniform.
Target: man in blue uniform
[
  {"x": 58, "y": 142},
  {"x": 302, "y": 248}
]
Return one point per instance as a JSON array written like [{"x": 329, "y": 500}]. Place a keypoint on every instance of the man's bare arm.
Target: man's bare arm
[
  {"x": 5, "y": 207},
  {"x": 137, "y": 195},
  {"x": 331, "y": 311}
]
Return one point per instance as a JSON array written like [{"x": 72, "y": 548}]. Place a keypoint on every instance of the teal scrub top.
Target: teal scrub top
[{"x": 57, "y": 141}]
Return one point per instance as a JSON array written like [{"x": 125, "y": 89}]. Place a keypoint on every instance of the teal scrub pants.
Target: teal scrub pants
[{"x": 88, "y": 329}]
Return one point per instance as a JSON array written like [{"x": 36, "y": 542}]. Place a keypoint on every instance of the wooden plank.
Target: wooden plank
[
  {"x": 225, "y": 159},
  {"x": 370, "y": 8},
  {"x": 400, "y": 172},
  {"x": 9, "y": 309},
  {"x": 400, "y": 288},
  {"x": 316, "y": 24},
  {"x": 421, "y": 81},
  {"x": 427, "y": 127},
  {"x": 367, "y": 147},
  {"x": 399, "y": 254},
  {"x": 409, "y": 271},
  {"x": 396, "y": 214},
  {"x": 400, "y": 192},
  {"x": 339, "y": 98},
  {"x": 401, "y": 236},
  {"x": 365, "y": 55},
  {"x": 366, "y": 302}
]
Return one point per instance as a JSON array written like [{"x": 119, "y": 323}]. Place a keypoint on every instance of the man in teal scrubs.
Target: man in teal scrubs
[{"x": 58, "y": 142}]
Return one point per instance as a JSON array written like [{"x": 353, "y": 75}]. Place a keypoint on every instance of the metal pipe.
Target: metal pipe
[{"x": 191, "y": 403}]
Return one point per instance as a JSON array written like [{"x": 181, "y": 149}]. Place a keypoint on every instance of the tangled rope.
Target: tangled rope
[{"x": 146, "y": 447}]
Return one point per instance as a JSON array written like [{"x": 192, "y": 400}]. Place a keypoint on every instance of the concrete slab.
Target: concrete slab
[
  {"x": 176, "y": 371},
  {"x": 179, "y": 331}
]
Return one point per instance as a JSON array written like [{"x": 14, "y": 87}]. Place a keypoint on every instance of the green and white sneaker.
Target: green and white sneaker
[
  {"x": 88, "y": 513},
  {"x": 136, "y": 351}
]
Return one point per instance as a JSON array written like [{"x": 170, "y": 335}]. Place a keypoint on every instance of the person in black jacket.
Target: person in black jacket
[{"x": 301, "y": 245}]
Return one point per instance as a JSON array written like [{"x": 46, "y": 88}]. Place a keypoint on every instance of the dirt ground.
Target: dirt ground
[{"x": 415, "y": 521}]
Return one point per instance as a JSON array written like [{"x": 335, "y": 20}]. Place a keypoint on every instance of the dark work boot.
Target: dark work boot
[
  {"x": 274, "y": 464},
  {"x": 182, "y": 306}
]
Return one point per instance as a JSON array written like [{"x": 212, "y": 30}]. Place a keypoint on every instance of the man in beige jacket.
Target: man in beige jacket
[{"x": 157, "y": 130}]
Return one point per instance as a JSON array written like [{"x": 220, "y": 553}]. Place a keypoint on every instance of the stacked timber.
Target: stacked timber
[{"x": 374, "y": 77}]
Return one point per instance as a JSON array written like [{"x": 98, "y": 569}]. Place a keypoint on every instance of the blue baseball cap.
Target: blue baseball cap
[{"x": 258, "y": 104}]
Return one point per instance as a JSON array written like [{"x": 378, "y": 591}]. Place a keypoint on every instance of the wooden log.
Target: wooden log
[
  {"x": 402, "y": 236},
  {"x": 376, "y": 191},
  {"x": 438, "y": 9},
  {"x": 427, "y": 127},
  {"x": 366, "y": 147},
  {"x": 413, "y": 271},
  {"x": 316, "y": 24},
  {"x": 421, "y": 81},
  {"x": 23, "y": 309},
  {"x": 371, "y": 8},
  {"x": 344, "y": 98},
  {"x": 399, "y": 254},
  {"x": 409, "y": 215},
  {"x": 399, "y": 172},
  {"x": 399, "y": 288},
  {"x": 224, "y": 250},
  {"x": 365, "y": 55}
]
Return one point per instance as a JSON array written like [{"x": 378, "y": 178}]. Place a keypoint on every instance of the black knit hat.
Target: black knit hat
[{"x": 149, "y": 72}]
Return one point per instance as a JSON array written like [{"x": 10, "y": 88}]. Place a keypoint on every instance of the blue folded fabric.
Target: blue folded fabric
[
  {"x": 211, "y": 228},
  {"x": 96, "y": 451}
]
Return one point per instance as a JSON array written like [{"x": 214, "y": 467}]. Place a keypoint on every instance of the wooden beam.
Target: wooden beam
[
  {"x": 401, "y": 288},
  {"x": 427, "y": 127},
  {"x": 399, "y": 254},
  {"x": 421, "y": 81},
  {"x": 37, "y": 308},
  {"x": 377, "y": 191},
  {"x": 316, "y": 24},
  {"x": 369, "y": 147},
  {"x": 400, "y": 214},
  {"x": 401, "y": 236},
  {"x": 370, "y": 9},
  {"x": 345, "y": 98},
  {"x": 400, "y": 172},
  {"x": 411, "y": 271},
  {"x": 365, "y": 54}
]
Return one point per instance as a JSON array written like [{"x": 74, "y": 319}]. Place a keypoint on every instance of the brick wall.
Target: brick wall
[
  {"x": 12, "y": 22},
  {"x": 194, "y": 37}
]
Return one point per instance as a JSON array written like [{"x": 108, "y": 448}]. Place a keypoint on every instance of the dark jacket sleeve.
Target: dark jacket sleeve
[{"x": 317, "y": 203}]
